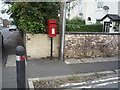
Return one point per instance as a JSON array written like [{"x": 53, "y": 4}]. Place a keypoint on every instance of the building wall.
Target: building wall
[
  {"x": 90, "y": 45},
  {"x": 74, "y": 12},
  {"x": 5, "y": 22},
  {"x": 1, "y": 22},
  {"x": 119, "y": 8},
  {"x": 113, "y": 6},
  {"x": 89, "y": 9},
  {"x": 39, "y": 46}
]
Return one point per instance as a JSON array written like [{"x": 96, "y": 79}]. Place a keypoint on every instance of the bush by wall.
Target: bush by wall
[
  {"x": 76, "y": 20},
  {"x": 84, "y": 28},
  {"x": 33, "y": 16}
]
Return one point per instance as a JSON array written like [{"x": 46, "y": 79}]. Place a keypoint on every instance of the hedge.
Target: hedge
[{"x": 84, "y": 28}]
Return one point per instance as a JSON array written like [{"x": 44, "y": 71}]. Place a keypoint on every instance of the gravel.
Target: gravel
[{"x": 55, "y": 83}]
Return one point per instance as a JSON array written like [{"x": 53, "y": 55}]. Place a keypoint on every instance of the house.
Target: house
[
  {"x": 92, "y": 10},
  {"x": 111, "y": 23},
  {"x": 5, "y": 22}
]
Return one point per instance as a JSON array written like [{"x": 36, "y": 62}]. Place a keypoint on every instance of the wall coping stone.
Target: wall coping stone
[
  {"x": 41, "y": 32},
  {"x": 92, "y": 33}
]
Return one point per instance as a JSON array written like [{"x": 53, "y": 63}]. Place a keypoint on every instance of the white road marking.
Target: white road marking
[
  {"x": 92, "y": 82},
  {"x": 103, "y": 84},
  {"x": 105, "y": 80},
  {"x": 69, "y": 84},
  {"x": 98, "y": 85},
  {"x": 8, "y": 36}
]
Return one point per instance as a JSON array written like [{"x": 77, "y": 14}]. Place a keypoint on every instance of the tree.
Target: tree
[{"x": 33, "y": 16}]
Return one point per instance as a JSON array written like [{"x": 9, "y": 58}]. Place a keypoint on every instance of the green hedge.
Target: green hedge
[
  {"x": 76, "y": 20},
  {"x": 84, "y": 28}
]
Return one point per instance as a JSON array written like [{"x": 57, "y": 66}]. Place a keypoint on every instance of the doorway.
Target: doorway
[{"x": 106, "y": 26}]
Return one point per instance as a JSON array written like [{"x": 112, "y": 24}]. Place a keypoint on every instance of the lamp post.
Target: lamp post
[{"x": 63, "y": 31}]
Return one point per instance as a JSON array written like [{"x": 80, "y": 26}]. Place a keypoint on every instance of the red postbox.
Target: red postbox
[{"x": 52, "y": 28}]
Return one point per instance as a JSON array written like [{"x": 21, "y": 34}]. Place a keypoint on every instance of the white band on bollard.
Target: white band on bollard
[{"x": 20, "y": 58}]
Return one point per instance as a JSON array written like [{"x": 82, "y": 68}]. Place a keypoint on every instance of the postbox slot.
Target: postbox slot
[{"x": 52, "y": 23}]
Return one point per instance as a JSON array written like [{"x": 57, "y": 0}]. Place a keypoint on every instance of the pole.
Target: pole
[
  {"x": 20, "y": 67},
  {"x": 63, "y": 32},
  {"x": 1, "y": 44},
  {"x": 51, "y": 46}
]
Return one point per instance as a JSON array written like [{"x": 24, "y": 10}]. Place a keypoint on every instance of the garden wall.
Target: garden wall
[
  {"x": 39, "y": 46},
  {"x": 77, "y": 45},
  {"x": 80, "y": 45}
]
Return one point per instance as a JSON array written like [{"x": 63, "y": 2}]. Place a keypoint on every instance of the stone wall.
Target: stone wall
[
  {"x": 77, "y": 45},
  {"x": 39, "y": 46},
  {"x": 90, "y": 45}
]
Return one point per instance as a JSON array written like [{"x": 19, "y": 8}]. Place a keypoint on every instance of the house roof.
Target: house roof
[{"x": 113, "y": 17}]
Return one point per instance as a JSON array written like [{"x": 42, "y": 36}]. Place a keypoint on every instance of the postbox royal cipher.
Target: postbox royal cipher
[{"x": 52, "y": 28}]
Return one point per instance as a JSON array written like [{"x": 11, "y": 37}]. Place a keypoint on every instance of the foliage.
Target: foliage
[
  {"x": 73, "y": 78},
  {"x": 33, "y": 16},
  {"x": 78, "y": 25},
  {"x": 76, "y": 20},
  {"x": 84, "y": 28}
]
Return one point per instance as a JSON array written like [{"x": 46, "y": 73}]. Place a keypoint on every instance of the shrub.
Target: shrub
[
  {"x": 76, "y": 20},
  {"x": 84, "y": 28},
  {"x": 33, "y": 16}
]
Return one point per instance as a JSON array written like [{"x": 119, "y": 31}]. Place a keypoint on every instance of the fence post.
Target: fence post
[{"x": 20, "y": 67}]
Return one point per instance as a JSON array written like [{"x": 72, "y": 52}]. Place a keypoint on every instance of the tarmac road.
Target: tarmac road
[{"x": 6, "y": 33}]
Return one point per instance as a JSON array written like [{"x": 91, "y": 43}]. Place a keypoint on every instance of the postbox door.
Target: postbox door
[{"x": 52, "y": 30}]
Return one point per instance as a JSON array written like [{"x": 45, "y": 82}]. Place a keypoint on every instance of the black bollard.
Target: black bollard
[{"x": 20, "y": 67}]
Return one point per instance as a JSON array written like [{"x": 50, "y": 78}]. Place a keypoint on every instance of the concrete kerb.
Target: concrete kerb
[
  {"x": 90, "y": 60},
  {"x": 30, "y": 80}
]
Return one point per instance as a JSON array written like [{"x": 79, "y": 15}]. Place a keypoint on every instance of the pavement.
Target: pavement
[
  {"x": 11, "y": 60},
  {"x": 47, "y": 67}
]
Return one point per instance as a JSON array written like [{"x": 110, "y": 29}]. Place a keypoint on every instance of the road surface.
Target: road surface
[{"x": 6, "y": 33}]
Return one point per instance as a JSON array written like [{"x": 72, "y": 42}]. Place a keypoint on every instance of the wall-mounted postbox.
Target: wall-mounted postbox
[{"x": 52, "y": 28}]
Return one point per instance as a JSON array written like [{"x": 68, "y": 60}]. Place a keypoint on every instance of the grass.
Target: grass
[
  {"x": 73, "y": 78},
  {"x": 109, "y": 55}
]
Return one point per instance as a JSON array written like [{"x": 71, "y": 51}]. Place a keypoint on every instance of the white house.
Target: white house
[
  {"x": 92, "y": 10},
  {"x": 111, "y": 23},
  {"x": 1, "y": 22}
]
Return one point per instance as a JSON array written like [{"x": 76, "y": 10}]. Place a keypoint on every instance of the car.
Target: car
[{"x": 12, "y": 27}]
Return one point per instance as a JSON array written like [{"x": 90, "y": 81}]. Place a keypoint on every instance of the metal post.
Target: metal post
[
  {"x": 63, "y": 33},
  {"x": 51, "y": 46},
  {"x": 1, "y": 61},
  {"x": 20, "y": 67}
]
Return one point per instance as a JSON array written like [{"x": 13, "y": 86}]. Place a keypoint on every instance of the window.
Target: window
[
  {"x": 116, "y": 27},
  {"x": 99, "y": 3},
  {"x": 89, "y": 19}
]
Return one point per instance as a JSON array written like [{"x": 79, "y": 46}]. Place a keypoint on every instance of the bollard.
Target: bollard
[{"x": 20, "y": 67}]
